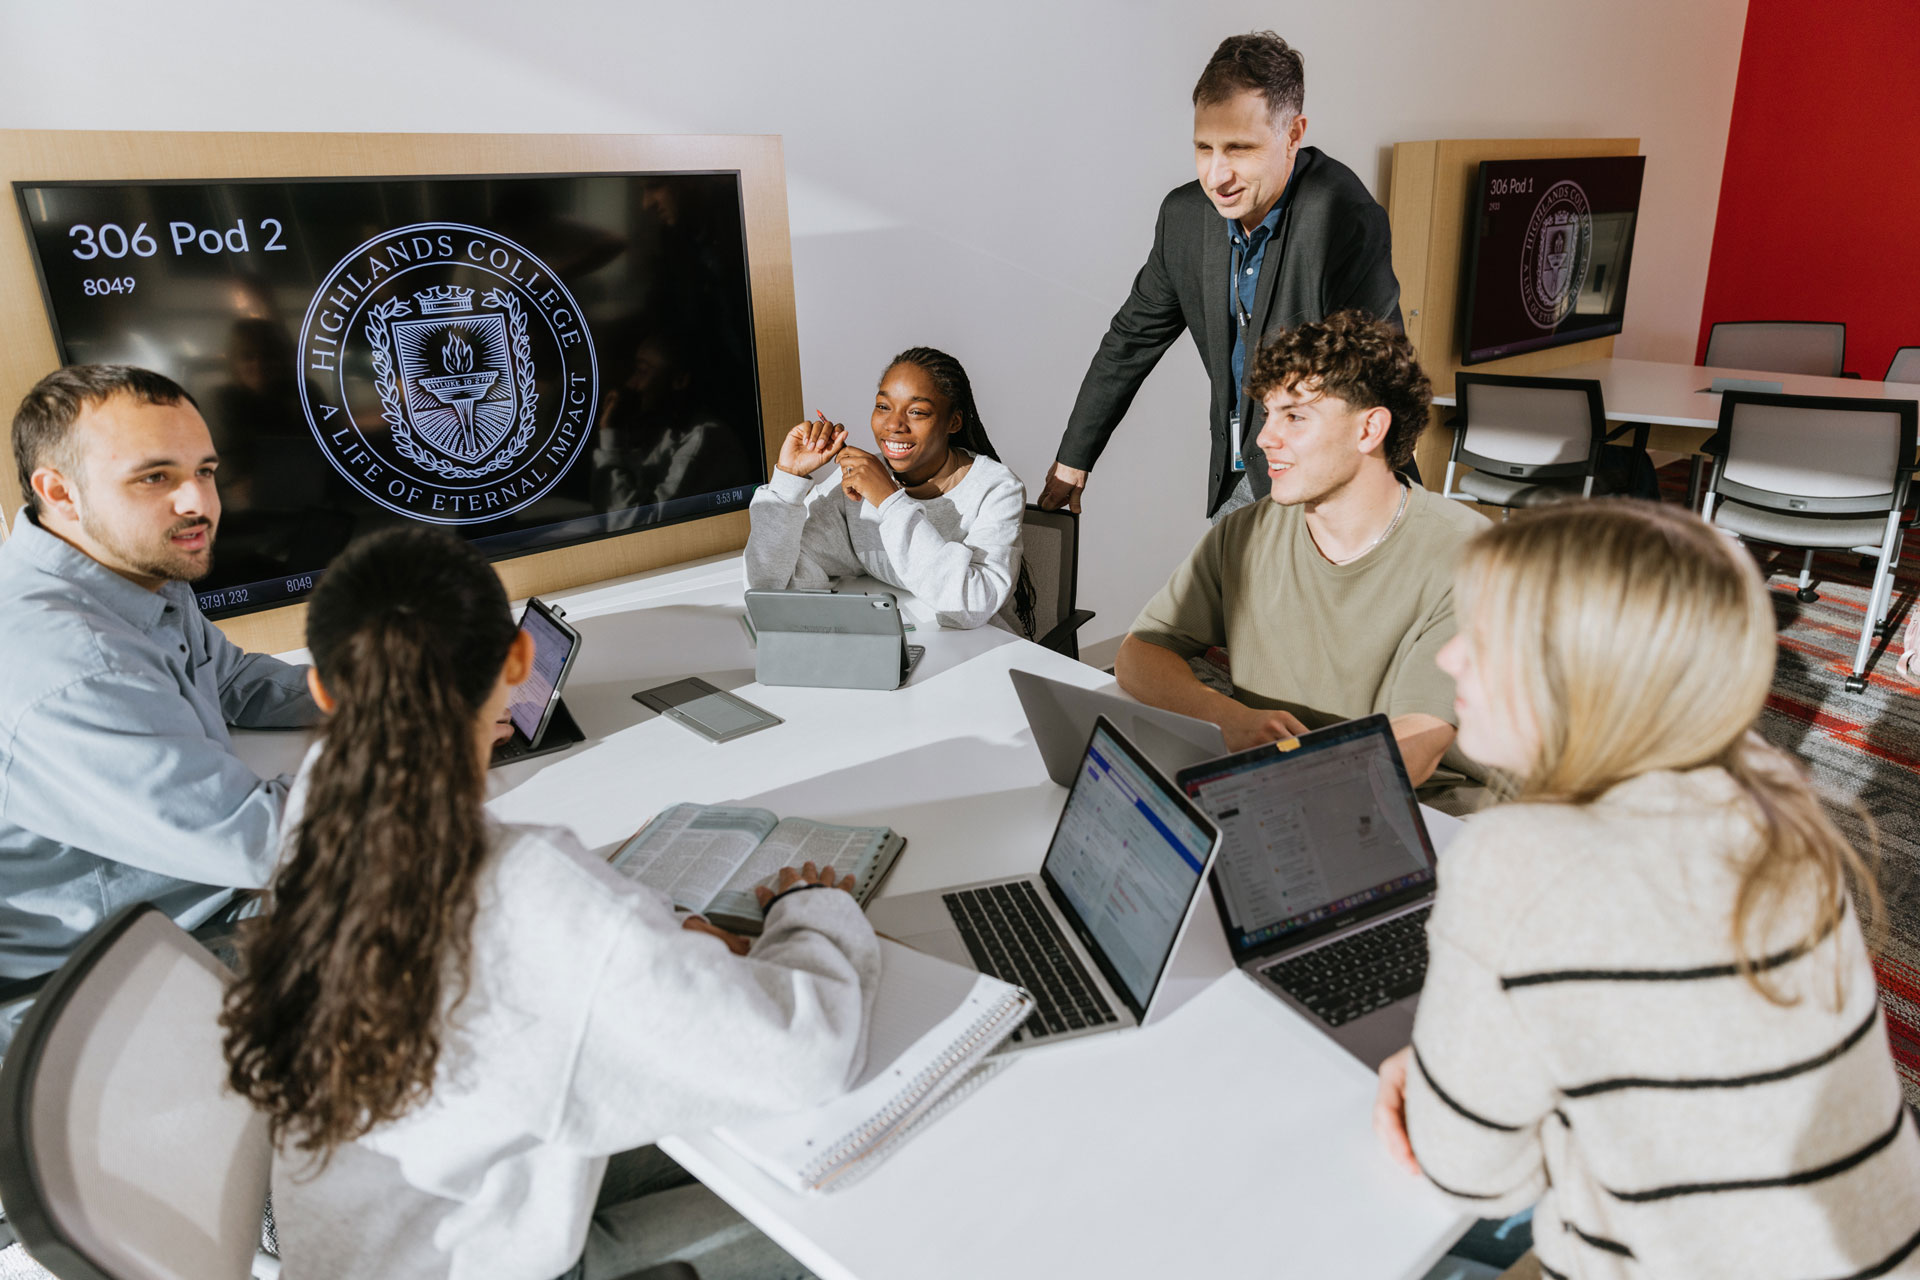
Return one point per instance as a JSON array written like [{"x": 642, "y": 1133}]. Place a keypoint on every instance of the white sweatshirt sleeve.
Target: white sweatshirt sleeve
[
  {"x": 965, "y": 582},
  {"x": 684, "y": 1034},
  {"x": 799, "y": 533}
]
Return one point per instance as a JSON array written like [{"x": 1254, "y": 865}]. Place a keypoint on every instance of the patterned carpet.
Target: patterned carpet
[{"x": 1863, "y": 750}]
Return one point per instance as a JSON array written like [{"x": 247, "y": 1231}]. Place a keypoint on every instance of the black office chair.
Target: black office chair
[
  {"x": 123, "y": 1155},
  {"x": 1819, "y": 472},
  {"x": 1050, "y": 560}
]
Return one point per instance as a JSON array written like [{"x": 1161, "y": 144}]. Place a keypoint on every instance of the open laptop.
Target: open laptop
[
  {"x": 1090, "y": 936},
  {"x": 829, "y": 639},
  {"x": 541, "y": 722},
  {"x": 1062, "y": 715},
  {"x": 1325, "y": 878}
]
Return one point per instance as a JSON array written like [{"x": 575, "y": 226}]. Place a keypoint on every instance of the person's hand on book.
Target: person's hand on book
[
  {"x": 700, "y": 924},
  {"x": 807, "y": 876}
]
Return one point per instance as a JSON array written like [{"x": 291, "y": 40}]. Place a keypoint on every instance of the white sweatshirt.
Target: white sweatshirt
[
  {"x": 1583, "y": 1040},
  {"x": 959, "y": 553},
  {"x": 595, "y": 1024}
]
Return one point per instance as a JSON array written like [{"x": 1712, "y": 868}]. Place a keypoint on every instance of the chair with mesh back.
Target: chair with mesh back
[
  {"x": 1528, "y": 440},
  {"x": 123, "y": 1155},
  {"x": 1050, "y": 554},
  {"x": 1819, "y": 472},
  {"x": 1779, "y": 346},
  {"x": 1905, "y": 366}
]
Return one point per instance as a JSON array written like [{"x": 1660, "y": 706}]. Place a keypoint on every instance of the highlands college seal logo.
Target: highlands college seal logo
[
  {"x": 447, "y": 373},
  {"x": 1553, "y": 261}
]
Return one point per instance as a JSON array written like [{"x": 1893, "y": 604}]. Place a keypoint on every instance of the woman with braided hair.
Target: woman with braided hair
[{"x": 932, "y": 510}]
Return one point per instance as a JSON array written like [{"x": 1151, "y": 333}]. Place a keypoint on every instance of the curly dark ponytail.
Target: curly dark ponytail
[{"x": 334, "y": 1026}]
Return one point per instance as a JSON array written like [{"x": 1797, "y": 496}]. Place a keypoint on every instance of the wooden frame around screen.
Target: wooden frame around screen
[
  {"x": 26, "y": 341},
  {"x": 1427, "y": 206}
]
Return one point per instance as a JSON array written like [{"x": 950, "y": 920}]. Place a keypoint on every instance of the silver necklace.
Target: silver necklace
[{"x": 1405, "y": 491}]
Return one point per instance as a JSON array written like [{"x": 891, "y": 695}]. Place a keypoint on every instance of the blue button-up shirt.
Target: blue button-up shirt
[
  {"x": 1243, "y": 277},
  {"x": 118, "y": 781}
]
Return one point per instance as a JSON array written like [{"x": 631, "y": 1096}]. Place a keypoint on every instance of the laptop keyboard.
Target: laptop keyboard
[
  {"x": 1350, "y": 978},
  {"x": 1011, "y": 936}
]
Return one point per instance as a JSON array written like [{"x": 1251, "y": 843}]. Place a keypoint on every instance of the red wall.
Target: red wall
[{"x": 1820, "y": 200}]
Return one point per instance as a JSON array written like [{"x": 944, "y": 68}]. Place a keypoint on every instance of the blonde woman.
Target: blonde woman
[{"x": 1649, "y": 1007}]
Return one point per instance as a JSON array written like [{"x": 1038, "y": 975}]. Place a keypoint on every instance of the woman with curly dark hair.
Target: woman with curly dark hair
[{"x": 452, "y": 1023}]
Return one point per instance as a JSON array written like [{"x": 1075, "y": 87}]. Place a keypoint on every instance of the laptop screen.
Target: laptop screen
[
  {"x": 1126, "y": 860},
  {"x": 1311, "y": 833},
  {"x": 530, "y": 701}
]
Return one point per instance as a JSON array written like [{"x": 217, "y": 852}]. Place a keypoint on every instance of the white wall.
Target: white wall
[{"x": 977, "y": 176}]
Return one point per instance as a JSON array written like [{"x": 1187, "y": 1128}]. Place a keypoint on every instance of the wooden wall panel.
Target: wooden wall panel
[
  {"x": 26, "y": 341},
  {"x": 1433, "y": 183}
]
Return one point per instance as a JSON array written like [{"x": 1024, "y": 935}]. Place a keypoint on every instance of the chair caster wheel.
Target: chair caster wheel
[
  {"x": 1806, "y": 595},
  {"x": 1856, "y": 684}
]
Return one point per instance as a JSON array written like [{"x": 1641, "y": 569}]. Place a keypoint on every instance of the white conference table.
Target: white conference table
[
  {"x": 1676, "y": 395},
  {"x": 1228, "y": 1138}
]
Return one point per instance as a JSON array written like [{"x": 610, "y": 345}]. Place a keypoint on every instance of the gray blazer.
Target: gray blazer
[{"x": 1331, "y": 251}]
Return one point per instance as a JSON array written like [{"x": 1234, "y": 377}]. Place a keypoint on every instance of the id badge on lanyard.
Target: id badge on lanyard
[{"x": 1241, "y": 320}]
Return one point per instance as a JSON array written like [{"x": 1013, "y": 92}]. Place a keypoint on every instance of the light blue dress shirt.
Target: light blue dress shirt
[
  {"x": 1248, "y": 257},
  {"x": 118, "y": 781}
]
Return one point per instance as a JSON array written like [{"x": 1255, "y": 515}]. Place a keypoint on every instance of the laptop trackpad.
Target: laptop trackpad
[{"x": 946, "y": 944}]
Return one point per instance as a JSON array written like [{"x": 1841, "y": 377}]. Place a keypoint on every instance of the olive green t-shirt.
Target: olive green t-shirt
[{"x": 1325, "y": 641}]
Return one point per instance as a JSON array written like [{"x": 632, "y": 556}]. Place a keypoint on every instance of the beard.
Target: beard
[{"x": 156, "y": 558}]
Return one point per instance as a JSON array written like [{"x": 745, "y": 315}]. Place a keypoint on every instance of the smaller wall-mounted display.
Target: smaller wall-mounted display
[{"x": 1549, "y": 244}]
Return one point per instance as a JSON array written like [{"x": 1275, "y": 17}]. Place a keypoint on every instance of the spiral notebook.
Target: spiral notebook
[{"x": 935, "y": 1024}]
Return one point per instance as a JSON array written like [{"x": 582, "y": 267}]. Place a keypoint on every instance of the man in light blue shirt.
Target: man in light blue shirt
[{"x": 118, "y": 781}]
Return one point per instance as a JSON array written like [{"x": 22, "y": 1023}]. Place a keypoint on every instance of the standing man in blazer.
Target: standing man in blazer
[{"x": 1294, "y": 230}]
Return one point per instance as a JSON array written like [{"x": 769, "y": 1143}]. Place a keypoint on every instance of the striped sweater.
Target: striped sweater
[{"x": 1584, "y": 1041}]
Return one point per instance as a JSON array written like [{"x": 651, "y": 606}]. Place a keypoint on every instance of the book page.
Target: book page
[
  {"x": 850, "y": 851},
  {"x": 691, "y": 850}
]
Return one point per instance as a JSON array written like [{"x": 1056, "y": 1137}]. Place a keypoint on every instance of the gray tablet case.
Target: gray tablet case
[{"x": 827, "y": 640}]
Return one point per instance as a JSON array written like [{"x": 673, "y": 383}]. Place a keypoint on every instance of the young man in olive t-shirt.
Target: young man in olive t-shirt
[{"x": 1332, "y": 598}]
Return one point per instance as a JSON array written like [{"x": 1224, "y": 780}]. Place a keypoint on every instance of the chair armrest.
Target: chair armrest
[
  {"x": 665, "y": 1271},
  {"x": 1849, "y": 374},
  {"x": 1064, "y": 637}
]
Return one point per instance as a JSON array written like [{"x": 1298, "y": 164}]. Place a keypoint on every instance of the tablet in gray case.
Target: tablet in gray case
[{"x": 827, "y": 640}]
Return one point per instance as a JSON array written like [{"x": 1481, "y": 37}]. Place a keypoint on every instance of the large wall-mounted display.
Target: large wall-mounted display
[
  {"x": 531, "y": 361},
  {"x": 1549, "y": 244}
]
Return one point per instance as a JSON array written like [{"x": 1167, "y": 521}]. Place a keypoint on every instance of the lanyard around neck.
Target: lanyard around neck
[{"x": 1240, "y": 313}]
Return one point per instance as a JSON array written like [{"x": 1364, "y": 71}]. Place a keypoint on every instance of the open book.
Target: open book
[
  {"x": 709, "y": 857},
  {"x": 934, "y": 1026}
]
